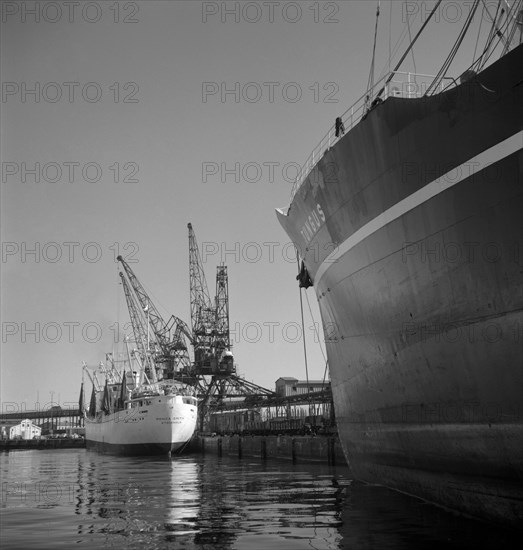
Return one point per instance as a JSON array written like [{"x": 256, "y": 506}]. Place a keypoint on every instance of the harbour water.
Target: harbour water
[{"x": 74, "y": 497}]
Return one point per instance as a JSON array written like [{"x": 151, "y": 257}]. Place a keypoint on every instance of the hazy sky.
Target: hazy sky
[{"x": 124, "y": 121}]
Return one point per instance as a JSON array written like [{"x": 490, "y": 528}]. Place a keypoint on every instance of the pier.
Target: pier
[
  {"x": 318, "y": 449},
  {"x": 295, "y": 423},
  {"x": 58, "y": 443}
]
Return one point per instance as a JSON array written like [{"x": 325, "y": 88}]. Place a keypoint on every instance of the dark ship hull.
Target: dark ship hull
[{"x": 410, "y": 228}]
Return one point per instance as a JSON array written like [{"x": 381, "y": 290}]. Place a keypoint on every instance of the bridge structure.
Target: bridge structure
[
  {"x": 53, "y": 418},
  {"x": 278, "y": 401},
  {"x": 270, "y": 414}
]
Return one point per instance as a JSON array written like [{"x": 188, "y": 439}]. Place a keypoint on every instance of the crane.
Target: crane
[
  {"x": 210, "y": 322},
  {"x": 211, "y": 338},
  {"x": 222, "y": 343},
  {"x": 139, "y": 330},
  {"x": 166, "y": 347},
  {"x": 162, "y": 346}
]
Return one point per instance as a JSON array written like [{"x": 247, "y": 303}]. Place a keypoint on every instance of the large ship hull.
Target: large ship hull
[
  {"x": 410, "y": 228},
  {"x": 163, "y": 424}
]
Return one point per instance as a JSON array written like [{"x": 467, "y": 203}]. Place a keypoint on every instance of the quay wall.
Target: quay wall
[
  {"x": 320, "y": 449},
  {"x": 27, "y": 444}
]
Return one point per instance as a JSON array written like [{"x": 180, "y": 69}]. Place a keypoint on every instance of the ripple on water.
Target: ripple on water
[{"x": 60, "y": 498}]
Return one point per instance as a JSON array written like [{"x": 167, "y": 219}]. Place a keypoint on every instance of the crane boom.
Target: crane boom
[
  {"x": 141, "y": 337},
  {"x": 151, "y": 312},
  {"x": 202, "y": 311},
  {"x": 201, "y": 308},
  {"x": 169, "y": 346}
]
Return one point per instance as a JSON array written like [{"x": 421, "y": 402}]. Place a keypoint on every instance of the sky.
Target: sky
[{"x": 121, "y": 122}]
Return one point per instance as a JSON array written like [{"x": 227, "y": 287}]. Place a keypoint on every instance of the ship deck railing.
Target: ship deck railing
[{"x": 403, "y": 84}]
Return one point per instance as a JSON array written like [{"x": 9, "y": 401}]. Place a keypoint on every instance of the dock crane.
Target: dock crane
[
  {"x": 162, "y": 346},
  {"x": 210, "y": 322},
  {"x": 211, "y": 338}
]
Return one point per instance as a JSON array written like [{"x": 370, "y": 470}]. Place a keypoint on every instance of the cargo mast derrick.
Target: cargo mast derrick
[
  {"x": 139, "y": 331},
  {"x": 166, "y": 347}
]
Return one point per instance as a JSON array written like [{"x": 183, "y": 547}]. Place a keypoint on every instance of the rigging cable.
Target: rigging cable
[
  {"x": 319, "y": 341},
  {"x": 410, "y": 38},
  {"x": 495, "y": 31},
  {"x": 446, "y": 64},
  {"x": 509, "y": 33},
  {"x": 399, "y": 41},
  {"x": 494, "y": 26},
  {"x": 492, "y": 34},
  {"x": 408, "y": 49},
  {"x": 476, "y": 65},
  {"x": 370, "y": 82},
  {"x": 396, "y": 47},
  {"x": 314, "y": 326},
  {"x": 315, "y": 331},
  {"x": 518, "y": 24},
  {"x": 390, "y": 32},
  {"x": 303, "y": 329},
  {"x": 479, "y": 33}
]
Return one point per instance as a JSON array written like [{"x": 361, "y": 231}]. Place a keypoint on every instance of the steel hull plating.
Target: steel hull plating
[
  {"x": 162, "y": 426},
  {"x": 410, "y": 227}
]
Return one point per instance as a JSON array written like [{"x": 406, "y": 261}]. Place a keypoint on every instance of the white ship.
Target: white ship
[{"x": 129, "y": 415}]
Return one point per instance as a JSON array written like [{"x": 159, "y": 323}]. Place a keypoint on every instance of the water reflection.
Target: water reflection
[
  {"x": 58, "y": 499},
  {"x": 131, "y": 502},
  {"x": 183, "y": 506},
  {"x": 249, "y": 501},
  {"x": 194, "y": 502}
]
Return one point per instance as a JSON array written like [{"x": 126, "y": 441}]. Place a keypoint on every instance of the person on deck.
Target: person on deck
[{"x": 340, "y": 128}]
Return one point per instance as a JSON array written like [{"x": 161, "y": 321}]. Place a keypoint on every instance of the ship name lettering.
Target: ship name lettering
[{"x": 313, "y": 223}]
